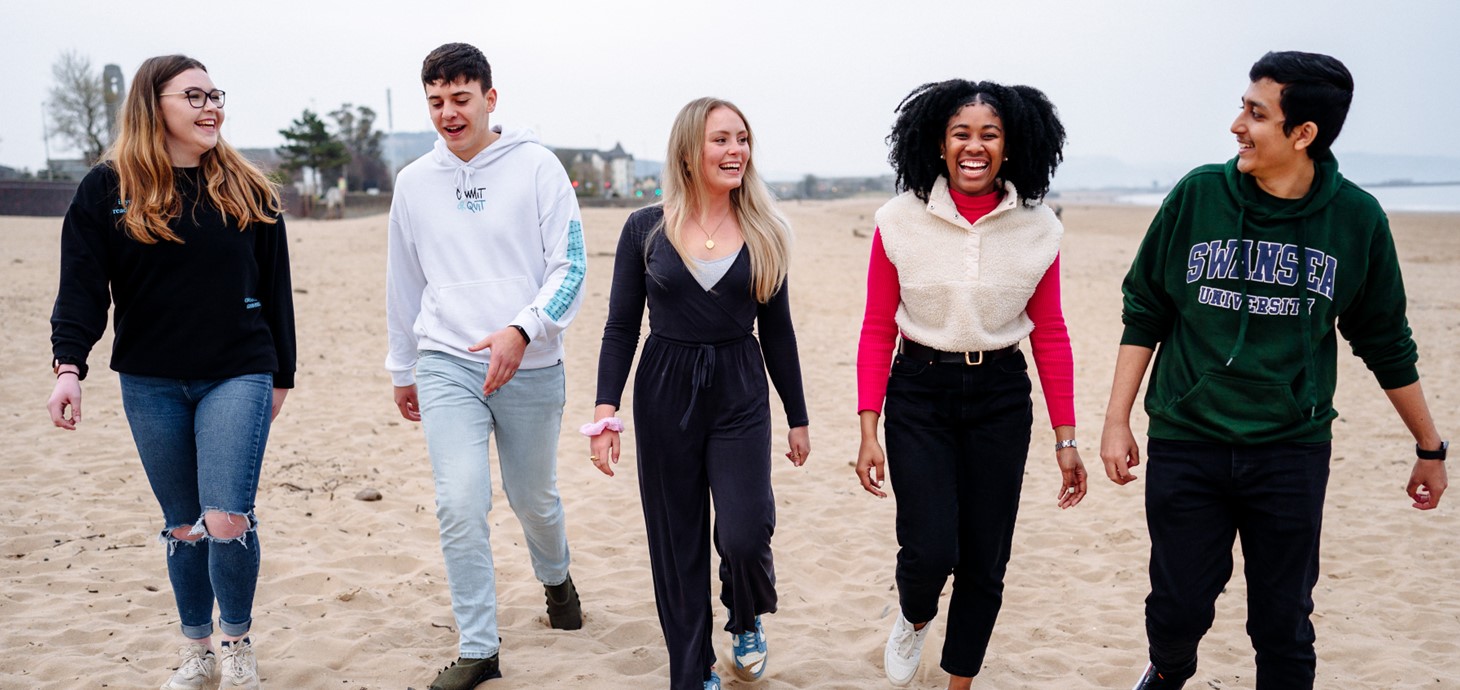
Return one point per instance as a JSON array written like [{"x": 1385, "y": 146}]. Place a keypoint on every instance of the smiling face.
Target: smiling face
[
  {"x": 726, "y": 151},
  {"x": 462, "y": 115},
  {"x": 1263, "y": 150},
  {"x": 973, "y": 148},
  {"x": 189, "y": 132}
]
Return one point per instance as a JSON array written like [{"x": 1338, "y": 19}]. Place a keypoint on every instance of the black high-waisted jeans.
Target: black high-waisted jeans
[{"x": 957, "y": 439}]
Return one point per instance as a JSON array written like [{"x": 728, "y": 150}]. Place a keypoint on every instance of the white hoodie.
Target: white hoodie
[{"x": 477, "y": 246}]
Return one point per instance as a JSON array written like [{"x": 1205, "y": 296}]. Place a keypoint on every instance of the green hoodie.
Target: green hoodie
[{"x": 1265, "y": 373}]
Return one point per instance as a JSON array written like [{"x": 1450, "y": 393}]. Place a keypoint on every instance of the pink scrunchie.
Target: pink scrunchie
[{"x": 598, "y": 427}]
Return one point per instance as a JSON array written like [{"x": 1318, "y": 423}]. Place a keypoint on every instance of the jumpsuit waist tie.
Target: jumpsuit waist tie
[{"x": 703, "y": 375}]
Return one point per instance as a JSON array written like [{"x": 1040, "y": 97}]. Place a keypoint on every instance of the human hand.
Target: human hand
[
  {"x": 66, "y": 395},
  {"x": 800, "y": 442},
  {"x": 407, "y": 403},
  {"x": 1119, "y": 452},
  {"x": 279, "y": 395},
  {"x": 1432, "y": 476},
  {"x": 507, "y": 346},
  {"x": 871, "y": 464},
  {"x": 603, "y": 449},
  {"x": 1072, "y": 477}
]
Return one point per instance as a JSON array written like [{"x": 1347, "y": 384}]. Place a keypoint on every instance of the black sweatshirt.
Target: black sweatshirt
[
  {"x": 677, "y": 311},
  {"x": 216, "y": 306}
]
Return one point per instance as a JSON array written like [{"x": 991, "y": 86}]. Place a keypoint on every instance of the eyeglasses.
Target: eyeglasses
[{"x": 198, "y": 97}]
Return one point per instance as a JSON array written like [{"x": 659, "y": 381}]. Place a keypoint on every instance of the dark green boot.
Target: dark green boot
[
  {"x": 563, "y": 609},
  {"x": 465, "y": 674}
]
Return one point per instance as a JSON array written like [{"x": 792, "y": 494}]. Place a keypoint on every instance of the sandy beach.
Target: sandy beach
[{"x": 353, "y": 594}]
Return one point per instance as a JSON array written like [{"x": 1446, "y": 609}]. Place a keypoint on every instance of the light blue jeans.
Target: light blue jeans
[{"x": 459, "y": 421}]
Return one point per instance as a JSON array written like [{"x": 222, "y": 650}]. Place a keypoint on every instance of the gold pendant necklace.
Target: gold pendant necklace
[{"x": 710, "y": 236}]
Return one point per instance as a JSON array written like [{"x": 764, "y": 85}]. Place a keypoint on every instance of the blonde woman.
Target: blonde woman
[
  {"x": 185, "y": 237},
  {"x": 710, "y": 263}
]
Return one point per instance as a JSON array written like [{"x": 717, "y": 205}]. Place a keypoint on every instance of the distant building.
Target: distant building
[
  {"x": 599, "y": 173},
  {"x": 611, "y": 173},
  {"x": 8, "y": 173},
  {"x": 67, "y": 168},
  {"x": 400, "y": 148}
]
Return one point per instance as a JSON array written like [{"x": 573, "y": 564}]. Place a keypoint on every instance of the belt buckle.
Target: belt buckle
[{"x": 970, "y": 362}]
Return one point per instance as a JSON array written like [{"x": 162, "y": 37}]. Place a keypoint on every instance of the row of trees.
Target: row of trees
[{"x": 352, "y": 149}]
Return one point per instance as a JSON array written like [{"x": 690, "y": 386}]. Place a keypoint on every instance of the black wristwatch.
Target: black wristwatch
[
  {"x": 1423, "y": 454},
  {"x": 525, "y": 340}
]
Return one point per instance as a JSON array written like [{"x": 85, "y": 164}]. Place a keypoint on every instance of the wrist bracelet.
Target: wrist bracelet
[
  {"x": 68, "y": 371},
  {"x": 1438, "y": 454},
  {"x": 1061, "y": 445},
  {"x": 598, "y": 427}
]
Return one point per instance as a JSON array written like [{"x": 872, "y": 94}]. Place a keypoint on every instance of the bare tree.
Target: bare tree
[
  {"x": 355, "y": 128},
  {"x": 78, "y": 105}
]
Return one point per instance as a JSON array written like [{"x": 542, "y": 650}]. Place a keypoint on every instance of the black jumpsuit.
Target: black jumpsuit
[{"x": 702, "y": 430}]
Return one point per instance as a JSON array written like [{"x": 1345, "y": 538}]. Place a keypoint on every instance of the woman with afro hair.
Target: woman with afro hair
[{"x": 964, "y": 266}]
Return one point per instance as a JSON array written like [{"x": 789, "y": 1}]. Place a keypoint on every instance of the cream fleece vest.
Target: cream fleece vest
[{"x": 965, "y": 286}]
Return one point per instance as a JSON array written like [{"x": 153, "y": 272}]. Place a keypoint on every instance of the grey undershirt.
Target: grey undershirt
[{"x": 709, "y": 272}]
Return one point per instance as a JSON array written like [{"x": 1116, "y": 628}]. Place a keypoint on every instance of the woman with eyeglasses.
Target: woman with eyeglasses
[{"x": 185, "y": 238}]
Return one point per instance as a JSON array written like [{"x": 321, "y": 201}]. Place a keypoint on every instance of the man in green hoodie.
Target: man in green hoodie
[{"x": 1246, "y": 276}]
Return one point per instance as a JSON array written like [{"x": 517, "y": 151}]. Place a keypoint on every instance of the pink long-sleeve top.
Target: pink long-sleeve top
[{"x": 1050, "y": 340}]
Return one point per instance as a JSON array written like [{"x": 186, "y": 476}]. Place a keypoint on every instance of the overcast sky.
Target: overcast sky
[{"x": 1145, "y": 81}]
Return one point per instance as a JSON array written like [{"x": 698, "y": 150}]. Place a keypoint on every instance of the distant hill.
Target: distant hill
[
  {"x": 1106, "y": 172},
  {"x": 643, "y": 168},
  {"x": 1373, "y": 168}
]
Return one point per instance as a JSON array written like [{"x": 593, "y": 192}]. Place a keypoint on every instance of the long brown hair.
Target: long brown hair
[
  {"x": 767, "y": 233},
  {"x": 139, "y": 155}
]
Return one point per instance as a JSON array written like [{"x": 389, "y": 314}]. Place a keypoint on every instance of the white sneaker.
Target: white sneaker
[
  {"x": 240, "y": 668},
  {"x": 194, "y": 670},
  {"x": 904, "y": 652}
]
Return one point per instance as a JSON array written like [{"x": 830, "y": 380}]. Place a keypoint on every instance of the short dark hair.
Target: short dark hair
[
  {"x": 1316, "y": 88},
  {"x": 455, "y": 61},
  {"x": 1034, "y": 138}
]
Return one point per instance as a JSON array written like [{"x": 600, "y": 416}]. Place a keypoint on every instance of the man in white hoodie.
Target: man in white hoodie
[{"x": 485, "y": 270}]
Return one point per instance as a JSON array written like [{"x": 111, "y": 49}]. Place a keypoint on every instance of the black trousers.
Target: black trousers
[
  {"x": 703, "y": 433},
  {"x": 957, "y": 440},
  {"x": 1199, "y": 498}
]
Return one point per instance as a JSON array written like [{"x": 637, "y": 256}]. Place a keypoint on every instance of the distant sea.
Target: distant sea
[{"x": 1430, "y": 198}]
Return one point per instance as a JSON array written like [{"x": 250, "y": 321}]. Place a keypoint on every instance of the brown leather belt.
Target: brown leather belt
[{"x": 924, "y": 353}]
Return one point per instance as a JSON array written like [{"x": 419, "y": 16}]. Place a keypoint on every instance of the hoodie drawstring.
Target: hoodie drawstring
[
  {"x": 1241, "y": 273},
  {"x": 463, "y": 179}
]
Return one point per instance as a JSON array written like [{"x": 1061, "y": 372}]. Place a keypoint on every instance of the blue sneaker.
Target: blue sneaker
[
  {"x": 713, "y": 683},
  {"x": 750, "y": 652}
]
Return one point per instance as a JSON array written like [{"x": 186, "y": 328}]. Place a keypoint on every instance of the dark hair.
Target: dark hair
[
  {"x": 455, "y": 61},
  {"x": 1034, "y": 138},
  {"x": 1316, "y": 88}
]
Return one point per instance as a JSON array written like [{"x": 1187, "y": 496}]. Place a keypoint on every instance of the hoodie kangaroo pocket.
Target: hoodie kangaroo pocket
[
  {"x": 1239, "y": 409},
  {"x": 471, "y": 311}
]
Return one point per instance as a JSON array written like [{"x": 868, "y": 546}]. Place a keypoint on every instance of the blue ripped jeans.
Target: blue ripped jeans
[{"x": 202, "y": 443}]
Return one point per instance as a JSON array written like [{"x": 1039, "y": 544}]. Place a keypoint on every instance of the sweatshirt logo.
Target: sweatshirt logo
[
  {"x": 251, "y": 303},
  {"x": 473, "y": 200},
  {"x": 1272, "y": 263}
]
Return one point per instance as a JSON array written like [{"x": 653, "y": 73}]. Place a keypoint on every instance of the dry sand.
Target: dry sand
[{"x": 353, "y": 594}]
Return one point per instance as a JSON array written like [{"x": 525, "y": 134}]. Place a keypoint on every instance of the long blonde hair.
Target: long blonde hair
[
  {"x": 147, "y": 188},
  {"x": 767, "y": 233}
]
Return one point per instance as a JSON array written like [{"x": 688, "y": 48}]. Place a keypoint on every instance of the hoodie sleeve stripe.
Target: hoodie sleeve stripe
[{"x": 577, "y": 268}]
